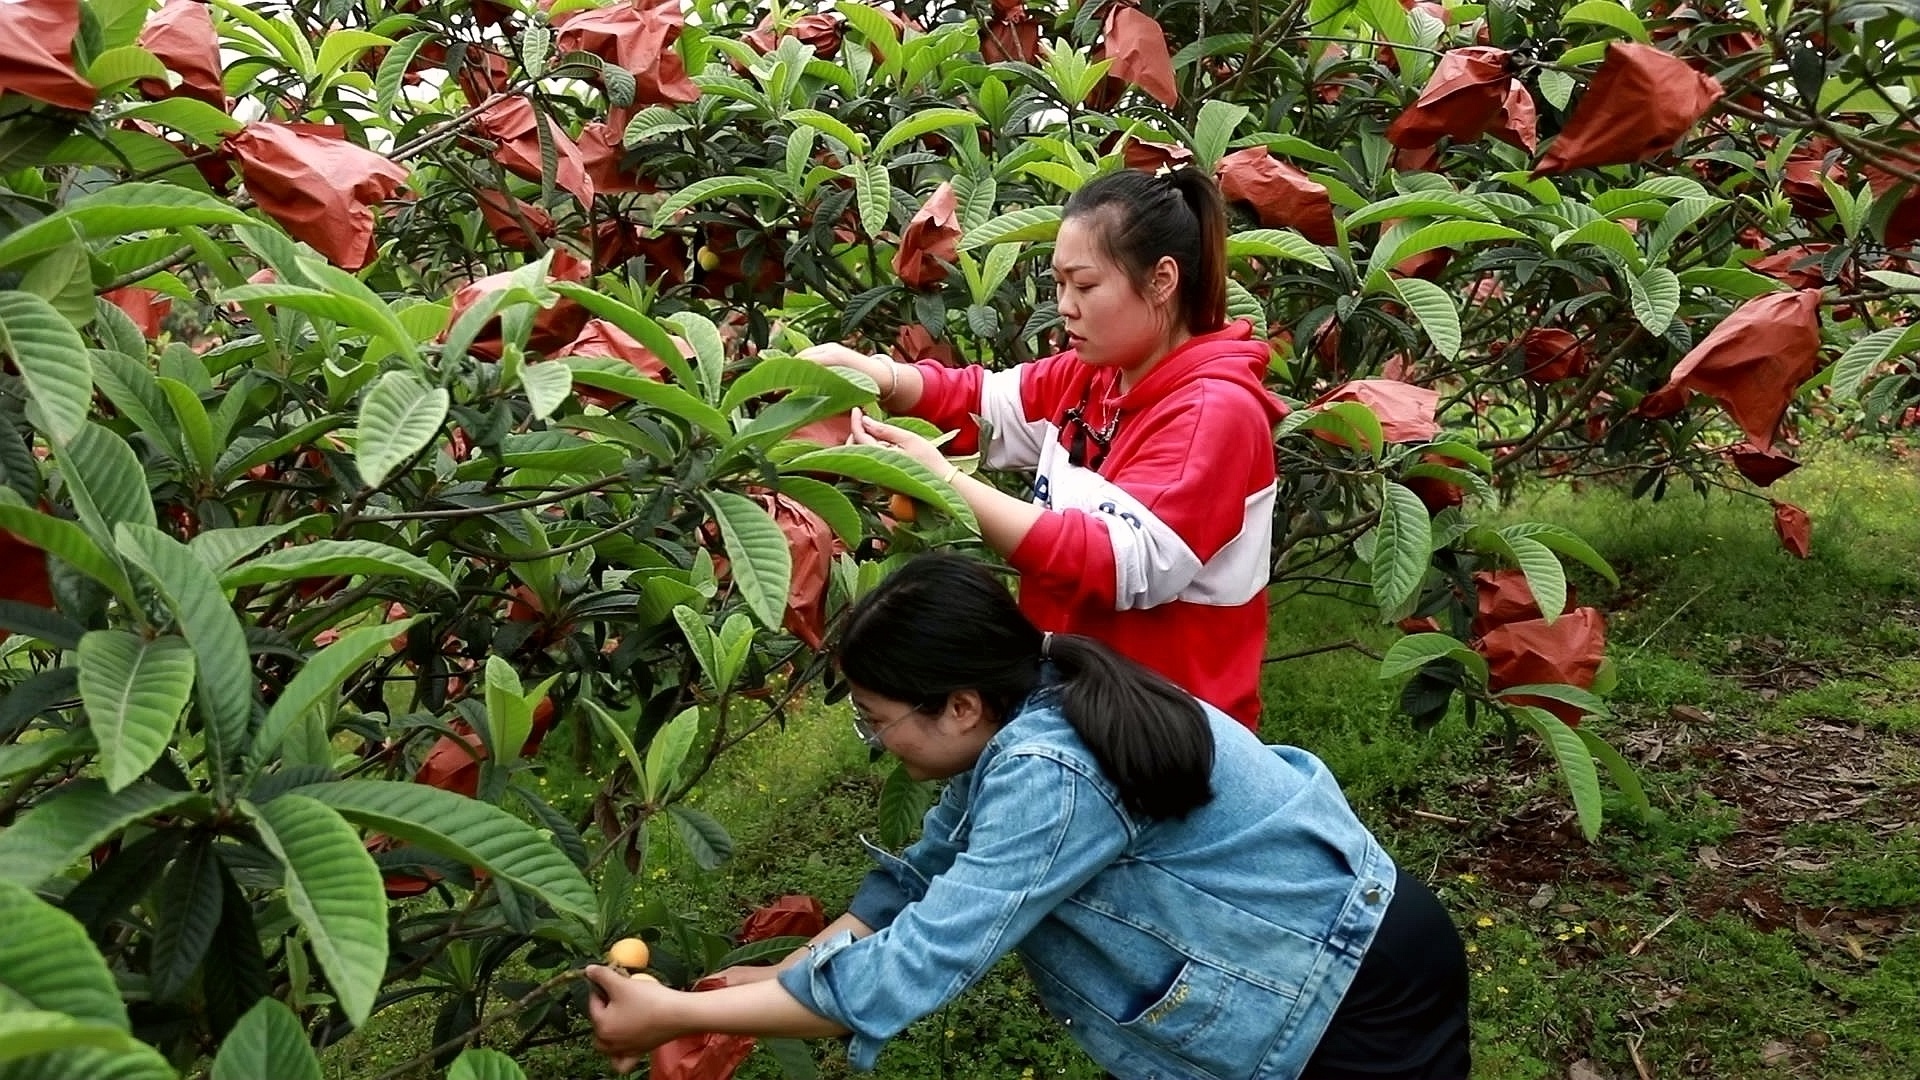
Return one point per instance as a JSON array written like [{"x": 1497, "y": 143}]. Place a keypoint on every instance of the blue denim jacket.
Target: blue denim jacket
[{"x": 1214, "y": 948}]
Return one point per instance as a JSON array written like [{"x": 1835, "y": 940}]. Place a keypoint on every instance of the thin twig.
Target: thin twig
[
  {"x": 1642, "y": 943},
  {"x": 1444, "y": 819},
  {"x": 1639, "y": 1064}
]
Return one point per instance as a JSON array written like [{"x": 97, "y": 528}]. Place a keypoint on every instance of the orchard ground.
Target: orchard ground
[{"x": 1765, "y": 924}]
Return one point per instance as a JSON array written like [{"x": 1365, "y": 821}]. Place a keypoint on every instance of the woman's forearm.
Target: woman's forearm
[
  {"x": 1004, "y": 519},
  {"x": 763, "y": 1008},
  {"x": 846, "y": 923}
]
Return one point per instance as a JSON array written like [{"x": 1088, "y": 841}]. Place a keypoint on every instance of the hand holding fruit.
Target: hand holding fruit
[{"x": 631, "y": 1015}]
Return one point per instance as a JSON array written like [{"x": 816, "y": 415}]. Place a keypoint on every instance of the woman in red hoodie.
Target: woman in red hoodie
[{"x": 1150, "y": 526}]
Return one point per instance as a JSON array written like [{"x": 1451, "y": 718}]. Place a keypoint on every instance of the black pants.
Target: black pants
[{"x": 1405, "y": 1016}]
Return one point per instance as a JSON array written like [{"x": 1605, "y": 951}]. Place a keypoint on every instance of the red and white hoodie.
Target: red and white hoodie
[{"x": 1162, "y": 548}]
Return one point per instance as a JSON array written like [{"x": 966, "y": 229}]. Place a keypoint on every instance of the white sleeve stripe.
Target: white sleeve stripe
[{"x": 1015, "y": 442}]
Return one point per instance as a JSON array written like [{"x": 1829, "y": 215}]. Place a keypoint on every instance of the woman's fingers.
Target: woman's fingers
[{"x": 832, "y": 354}]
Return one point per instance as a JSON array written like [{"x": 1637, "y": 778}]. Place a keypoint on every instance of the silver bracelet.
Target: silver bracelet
[{"x": 893, "y": 377}]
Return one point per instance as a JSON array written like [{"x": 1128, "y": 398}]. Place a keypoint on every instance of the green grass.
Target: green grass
[{"x": 1739, "y": 934}]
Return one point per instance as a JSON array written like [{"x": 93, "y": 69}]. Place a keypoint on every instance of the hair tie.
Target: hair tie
[{"x": 1046, "y": 645}]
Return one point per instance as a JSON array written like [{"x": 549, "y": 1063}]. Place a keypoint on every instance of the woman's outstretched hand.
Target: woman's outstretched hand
[
  {"x": 630, "y": 1016},
  {"x": 870, "y": 432}
]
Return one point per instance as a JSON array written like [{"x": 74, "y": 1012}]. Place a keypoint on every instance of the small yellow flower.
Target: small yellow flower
[
  {"x": 1483, "y": 921},
  {"x": 1579, "y": 929},
  {"x": 1472, "y": 948},
  {"x": 1562, "y": 937},
  {"x": 949, "y": 1033},
  {"x": 1469, "y": 878},
  {"x": 1502, "y": 989},
  {"x": 1523, "y": 961}
]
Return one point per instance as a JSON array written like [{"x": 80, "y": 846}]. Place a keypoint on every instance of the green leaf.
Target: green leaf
[
  {"x": 475, "y": 1063},
  {"x": 52, "y": 359},
  {"x": 830, "y": 126},
  {"x": 1610, "y": 235},
  {"x": 1436, "y": 311},
  {"x": 620, "y": 377},
  {"x": 32, "y": 1033},
  {"x": 873, "y": 193},
  {"x": 333, "y": 558},
  {"x": 1609, "y": 14},
  {"x": 77, "y": 818},
  {"x": 390, "y": 81},
  {"x": 224, "y": 670},
  {"x": 1576, "y": 766},
  {"x": 1621, "y": 771},
  {"x": 657, "y": 120},
  {"x": 267, "y": 1042},
  {"x": 120, "y": 65},
  {"x": 221, "y": 548},
  {"x": 621, "y": 738},
  {"x": 1402, "y": 545},
  {"x": 547, "y": 386},
  {"x": 1388, "y": 17},
  {"x": 1425, "y": 204},
  {"x": 185, "y": 911},
  {"x": 320, "y": 679},
  {"x": 118, "y": 209},
  {"x": 1447, "y": 234},
  {"x": 509, "y": 713},
  {"x": 134, "y": 690},
  {"x": 668, "y": 751},
  {"x": 400, "y": 417},
  {"x": 709, "y": 349},
  {"x": 31, "y": 757},
  {"x": 349, "y": 309},
  {"x": 762, "y": 565},
  {"x": 795, "y": 375},
  {"x": 924, "y": 121},
  {"x": 830, "y": 503},
  {"x": 904, "y": 802},
  {"x": 1015, "y": 227},
  {"x": 1564, "y": 542},
  {"x": 1585, "y": 700},
  {"x": 108, "y": 486},
  {"x": 1732, "y": 281},
  {"x": 1546, "y": 579},
  {"x": 340, "y": 47},
  {"x": 1277, "y": 244},
  {"x": 47, "y": 961},
  {"x": 195, "y": 426},
  {"x": 1656, "y": 296},
  {"x": 713, "y": 187},
  {"x": 63, "y": 278},
  {"x": 195, "y": 119},
  {"x": 1213, "y": 132},
  {"x": 472, "y": 832},
  {"x": 706, "y": 839},
  {"x": 1415, "y": 651},
  {"x": 887, "y": 468},
  {"x": 335, "y": 891},
  {"x": 1866, "y": 356},
  {"x": 1348, "y": 422},
  {"x": 67, "y": 542}
]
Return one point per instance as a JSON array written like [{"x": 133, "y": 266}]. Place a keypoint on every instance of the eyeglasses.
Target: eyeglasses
[{"x": 869, "y": 732}]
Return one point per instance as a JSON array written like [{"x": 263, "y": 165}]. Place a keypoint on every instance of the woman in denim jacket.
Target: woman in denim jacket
[{"x": 1190, "y": 903}]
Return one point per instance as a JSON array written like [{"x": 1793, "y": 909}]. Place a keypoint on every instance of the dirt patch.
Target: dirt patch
[{"x": 1774, "y": 785}]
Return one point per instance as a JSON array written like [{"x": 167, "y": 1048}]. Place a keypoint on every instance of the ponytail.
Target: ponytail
[
  {"x": 942, "y": 623},
  {"x": 1205, "y": 293},
  {"x": 1150, "y": 737}
]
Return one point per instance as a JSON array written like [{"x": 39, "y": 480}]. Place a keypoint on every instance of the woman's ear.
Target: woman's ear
[
  {"x": 967, "y": 711},
  {"x": 1164, "y": 282}
]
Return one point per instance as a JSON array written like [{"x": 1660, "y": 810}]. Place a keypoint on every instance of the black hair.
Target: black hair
[
  {"x": 943, "y": 623},
  {"x": 1145, "y": 217}
]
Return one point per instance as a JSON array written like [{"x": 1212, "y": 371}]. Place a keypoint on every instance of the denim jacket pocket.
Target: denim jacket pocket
[{"x": 1204, "y": 1017}]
